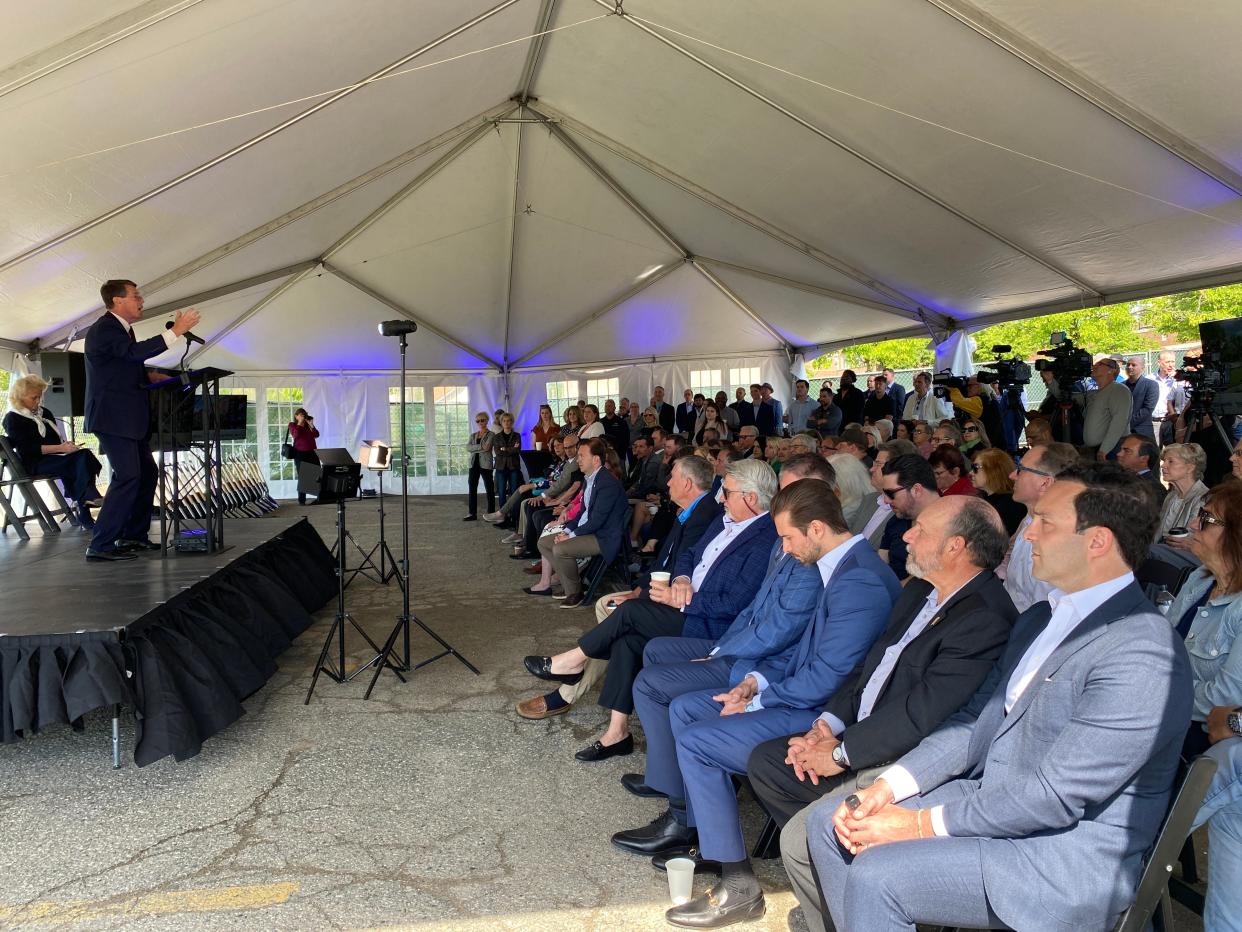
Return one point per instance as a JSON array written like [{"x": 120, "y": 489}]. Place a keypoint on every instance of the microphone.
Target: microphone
[{"x": 193, "y": 338}]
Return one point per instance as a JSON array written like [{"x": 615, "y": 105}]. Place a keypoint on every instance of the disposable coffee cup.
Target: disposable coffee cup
[
  {"x": 662, "y": 578},
  {"x": 680, "y": 879},
  {"x": 1177, "y": 533}
]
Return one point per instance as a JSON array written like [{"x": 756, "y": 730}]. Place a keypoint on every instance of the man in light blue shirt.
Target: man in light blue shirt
[{"x": 800, "y": 408}]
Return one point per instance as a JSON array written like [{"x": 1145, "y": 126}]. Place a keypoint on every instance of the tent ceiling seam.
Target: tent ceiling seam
[
  {"x": 1077, "y": 83},
  {"x": 81, "y": 228},
  {"x": 534, "y": 58},
  {"x": 249, "y": 313},
  {"x": 859, "y": 155},
  {"x": 513, "y": 234},
  {"x": 742, "y": 305}
]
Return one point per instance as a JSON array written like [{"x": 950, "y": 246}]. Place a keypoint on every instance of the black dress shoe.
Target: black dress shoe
[
  {"x": 126, "y": 544},
  {"x": 108, "y": 556},
  {"x": 701, "y": 864},
  {"x": 663, "y": 834},
  {"x": 598, "y": 751},
  {"x": 522, "y": 556},
  {"x": 470, "y": 518},
  {"x": 716, "y": 908},
  {"x": 542, "y": 666},
  {"x": 634, "y": 783},
  {"x": 531, "y": 590}
]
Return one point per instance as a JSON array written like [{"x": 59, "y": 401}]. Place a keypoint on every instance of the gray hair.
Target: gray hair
[
  {"x": 979, "y": 525},
  {"x": 698, "y": 470},
  {"x": 896, "y": 448},
  {"x": 1191, "y": 454},
  {"x": 22, "y": 387},
  {"x": 754, "y": 476},
  {"x": 809, "y": 444},
  {"x": 853, "y": 481}
]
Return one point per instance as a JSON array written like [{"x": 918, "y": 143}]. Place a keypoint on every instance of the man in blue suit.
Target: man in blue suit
[
  {"x": 597, "y": 529},
  {"x": 118, "y": 413},
  {"x": 1033, "y": 807},
  {"x": 711, "y": 586},
  {"x": 715, "y": 733}
]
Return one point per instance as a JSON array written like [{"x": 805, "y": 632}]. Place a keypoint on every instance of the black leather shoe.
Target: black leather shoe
[
  {"x": 716, "y": 908},
  {"x": 701, "y": 864},
  {"x": 470, "y": 518},
  {"x": 634, "y": 783},
  {"x": 108, "y": 556},
  {"x": 522, "y": 556},
  {"x": 531, "y": 590},
  {"x": 599, "y": 751},
  {"x": 542, "y": 666},
  {"x": 125, "y": 544},
  {"x": 663, "y": 834}
]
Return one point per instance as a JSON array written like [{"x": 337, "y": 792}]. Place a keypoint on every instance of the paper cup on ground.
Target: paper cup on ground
[
  {"x": 662, "y": 578},
  {"x": 680, "y": 879}
]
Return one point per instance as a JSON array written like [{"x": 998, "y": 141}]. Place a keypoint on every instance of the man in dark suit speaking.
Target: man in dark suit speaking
[{"x": 117, "y": 412}]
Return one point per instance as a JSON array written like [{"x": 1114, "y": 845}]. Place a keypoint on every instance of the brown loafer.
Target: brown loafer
[
  {"x": 537, "y": 708},
  {"x": 536, "y": 570}
]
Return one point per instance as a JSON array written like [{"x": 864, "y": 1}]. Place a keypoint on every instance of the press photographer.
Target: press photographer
[
  {"x": 970, "y": 398},
  {"x": 1213, "y": 383}
]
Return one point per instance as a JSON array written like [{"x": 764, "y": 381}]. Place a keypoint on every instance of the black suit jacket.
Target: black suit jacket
[
  {"x": 115, "y": 375},
  {"x": 666, "y": 414},
  {"x": 685, "y": 418},
  {"x": 682, "y": 539},
  {"x": 936, "y": 674},
  {"x": 851, "y": 404},
  {"x": 764, "y": 421}
]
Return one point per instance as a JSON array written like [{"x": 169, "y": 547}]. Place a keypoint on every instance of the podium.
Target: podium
[{"x": 187, "y": 418}]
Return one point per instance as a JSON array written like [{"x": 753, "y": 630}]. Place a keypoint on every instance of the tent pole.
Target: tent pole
[
  {"x": 64, "y": 237},
  {"x": 745, "y": 308},
  {"x": 511, "y": 251},
  {"x": 534, "y": 58}
]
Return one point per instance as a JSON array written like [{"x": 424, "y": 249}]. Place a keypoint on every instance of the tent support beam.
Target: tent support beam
[
  {"x": 599, "y": 312},
  {"x": 1075, "y": 81},
  {"x": 224, "y": 291},
  {"x": 93, "y": 39},
  {"x": 856, "y": 153},
  {"x": 474, "y": 124},
  {"x": 887, "y": 292},
  {"x": 254, "y": 309},
  {"x": 511, "y": 252},
  {"x": 742, "y": 305},
  {"x": 64, "y": 237},
  {"x": 16, "y": 346},
  {"x": 534, "y": 57},
  {"x": 906, "y": 333},
  {"x": 410, "y": 315},
  {"x": 808, "y": 287}
]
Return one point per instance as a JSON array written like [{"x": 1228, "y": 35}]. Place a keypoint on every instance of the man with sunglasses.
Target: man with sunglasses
[
  {"x": 909, "y": 484},
  {"x": 1031, "y": 479}
]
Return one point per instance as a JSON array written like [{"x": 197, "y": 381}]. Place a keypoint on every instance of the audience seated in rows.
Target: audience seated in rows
[
  {"x": 990, "y": 472},
  {"x": 952, "y": 471},
  {"x": 1031, "y": 479}
]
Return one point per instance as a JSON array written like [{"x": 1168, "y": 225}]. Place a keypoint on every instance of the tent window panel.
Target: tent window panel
[
  {"x": 560, "y": 396},
  {"x": 451, "y": 407},
  {"x": 744, "y": 378},
  {"x": 248, "y": 448},
  {"x": 281, "y": 403},
  {"x": 600, "y": 390},
  {"x": 706, "y": 382},
  {"x": 415, "y": 431}
]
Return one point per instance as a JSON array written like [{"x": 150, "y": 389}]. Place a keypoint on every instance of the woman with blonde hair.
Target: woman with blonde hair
[
  {"x": 1183, "y": 465},
  {"x": 32, "y": 430},
  {"x": 571, "y": 423},
  {"x": 858, "y": 500}
]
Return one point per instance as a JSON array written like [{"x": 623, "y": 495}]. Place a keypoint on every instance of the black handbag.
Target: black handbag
[{"x": 286, "y": 449}]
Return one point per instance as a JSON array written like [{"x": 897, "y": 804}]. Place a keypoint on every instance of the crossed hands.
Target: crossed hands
[
  {"x": 811, "y": 755},
  {"x": 877, "y": 820},
  {"x": 738, "y": 698}
]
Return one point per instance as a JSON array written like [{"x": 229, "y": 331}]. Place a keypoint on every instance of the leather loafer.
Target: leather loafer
[
  {"x": 716, "y": 908},
  {"x": 701, "y": 864},
  {"x": 542, "y": 666},
  {"x": 571, "y": 601},
  {"x": 108, "y": 556},
  {"x": 598, "y": 751},
  {"x": 537, "y": 708},
  {"x": 135, "y": 545},
  {"x": 531, "y": 590},
  {"x": 633, "y": 782},
  {"x": 470, "y": 518},
  {"x": 662, "y": 834},
  {"x": 520, "y": 556}
]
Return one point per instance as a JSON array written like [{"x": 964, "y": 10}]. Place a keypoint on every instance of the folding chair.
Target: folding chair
[
  {"x": 50, "y": 517},
  {"x": 1154, "y": 575},
  {"x": 14, "y": 481}
]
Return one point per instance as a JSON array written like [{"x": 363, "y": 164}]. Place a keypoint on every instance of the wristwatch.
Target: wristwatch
[
  {"x": 1232, "y": 721},
  {"x": 838, "y": 752}
]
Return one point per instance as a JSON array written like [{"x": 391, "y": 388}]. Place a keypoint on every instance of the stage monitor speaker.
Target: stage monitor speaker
[{"x": 65, "y": 374}]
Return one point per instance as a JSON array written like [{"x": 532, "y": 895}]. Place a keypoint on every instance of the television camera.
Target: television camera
[{"x": 1067, "y": 363}]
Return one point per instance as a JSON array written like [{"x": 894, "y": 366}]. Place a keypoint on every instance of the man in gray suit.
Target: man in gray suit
[{"x": 1033, "y": 806}]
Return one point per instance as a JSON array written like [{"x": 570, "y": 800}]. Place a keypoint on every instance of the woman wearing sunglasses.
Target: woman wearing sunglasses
[
  {"x": 990, "y": 474},
  {"x": 481, "y": 464},
  {"x": 974, "y": 438}
]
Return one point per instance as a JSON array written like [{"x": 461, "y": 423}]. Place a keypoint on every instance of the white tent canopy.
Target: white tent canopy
[{"x": 544, "y": 183}]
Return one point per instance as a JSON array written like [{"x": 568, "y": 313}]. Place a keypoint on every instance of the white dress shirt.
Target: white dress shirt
[
  {"x": 170, "y": 338},
  {"x": 718, "y": 546},
  {"x": 1068, "y": 611},
  {"x": 588, "y": 484},
  {"x": 1023, "y": 588},
  {"x": 881, "y": 514}
]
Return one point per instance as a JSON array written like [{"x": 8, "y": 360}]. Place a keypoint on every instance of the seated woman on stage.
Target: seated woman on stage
[{"x": 31, "y": 428}]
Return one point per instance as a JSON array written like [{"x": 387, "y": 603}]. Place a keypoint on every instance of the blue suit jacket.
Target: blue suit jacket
[
  {"x": 115, "y": 375},
  {"x": 606, "y": 516},
  {"x": 853, "y": 612},
  {"x": 772, "y": 624},
  {"x": 1067, "y": 790},
  {"x": 734, "y": 578},
  {"x": 1146, "y": 395}
]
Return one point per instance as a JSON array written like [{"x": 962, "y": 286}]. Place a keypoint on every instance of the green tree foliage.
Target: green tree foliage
[{"x": 1181, "y": 314}]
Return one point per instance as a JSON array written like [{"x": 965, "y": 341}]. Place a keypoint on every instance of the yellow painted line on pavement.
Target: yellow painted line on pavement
[{"x": 214, "y": 899}]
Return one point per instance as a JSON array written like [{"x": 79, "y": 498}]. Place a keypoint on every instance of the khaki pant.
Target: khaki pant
[
  {"x": 594, "y": 669},
  {"x": 565, "y": 555}
]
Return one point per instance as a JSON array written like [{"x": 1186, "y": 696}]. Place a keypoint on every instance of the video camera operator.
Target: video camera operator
[
  {"x": 1209, "y": 417},
  {"x": 1105, "y": 410},
  {"x": 971, "y": 398}
]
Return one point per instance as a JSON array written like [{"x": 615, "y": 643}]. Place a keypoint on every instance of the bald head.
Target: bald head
[{"x": 952, "y": 539}]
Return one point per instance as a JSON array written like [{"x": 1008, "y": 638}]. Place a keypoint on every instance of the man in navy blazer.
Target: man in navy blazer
[
  {"x": 715, "y": 733},
  {"x": 1035, "y": 805},
  {"x": 597, "y": 529},
  {"x": 118, "y": 413},
  {"x": 711, "y": 586}
]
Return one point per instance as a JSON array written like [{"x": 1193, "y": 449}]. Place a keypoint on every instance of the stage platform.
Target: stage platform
[{"x": 181, "y": 640}]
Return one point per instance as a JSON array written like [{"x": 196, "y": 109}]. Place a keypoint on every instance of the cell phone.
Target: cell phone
[{"x": 610, "y": 604}]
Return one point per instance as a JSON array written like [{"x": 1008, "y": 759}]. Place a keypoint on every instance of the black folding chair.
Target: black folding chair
[
  {"x": 31, "y": 495},
  {"x": 1154, "y": 575},
  {"x": 14, "y": 483}
]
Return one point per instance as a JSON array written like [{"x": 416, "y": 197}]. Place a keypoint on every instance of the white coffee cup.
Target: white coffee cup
[
  {"x": 662, "y": 578},
  {"x": 680, "y": 879}
]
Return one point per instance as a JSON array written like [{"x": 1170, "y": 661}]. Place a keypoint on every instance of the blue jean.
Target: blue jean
[
  {"x": 1222, "y": 811},
  {"x": 507, "y": 482}
]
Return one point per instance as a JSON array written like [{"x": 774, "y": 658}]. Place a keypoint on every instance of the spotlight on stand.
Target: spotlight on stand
[{"x": 397, "y": 328}]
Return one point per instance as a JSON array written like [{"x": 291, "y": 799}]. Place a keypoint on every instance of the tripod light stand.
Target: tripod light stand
[{"x": 402, "y": 329}]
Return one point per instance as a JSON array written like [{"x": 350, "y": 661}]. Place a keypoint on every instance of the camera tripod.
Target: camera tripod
[
  {"x": 386, "y": 569},
  {"x": 336, "y": 671}
]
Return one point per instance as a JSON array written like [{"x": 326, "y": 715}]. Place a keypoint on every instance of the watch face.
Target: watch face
[{"x": 1234, "y": 721}]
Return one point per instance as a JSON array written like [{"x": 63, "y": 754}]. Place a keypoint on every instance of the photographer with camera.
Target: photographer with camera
[
  {"x": 1105, "y": 410},
  {"x": 971, "y": 399}
]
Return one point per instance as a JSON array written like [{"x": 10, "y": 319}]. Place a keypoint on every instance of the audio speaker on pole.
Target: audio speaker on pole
[{"x": 65, "y": 374}]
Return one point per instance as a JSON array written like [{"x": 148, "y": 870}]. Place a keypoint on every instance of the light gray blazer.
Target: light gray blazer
[
  {"x": 1067, "y": 791},
  {"x": 483, "y": 447}
]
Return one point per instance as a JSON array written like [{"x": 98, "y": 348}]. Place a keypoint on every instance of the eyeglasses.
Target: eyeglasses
[
  {"x": 891, "y": 494},
  {"x": 649, "y": 415},
  {"x": 728, "y": 492},
  {"x": 1206, "y": 518},
  {"x": 1036, "y": 472},
  {"x": 1236, "y": 454},
  {"x": 970, "y": 429},
  {"x": 975, "y": 467}
]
